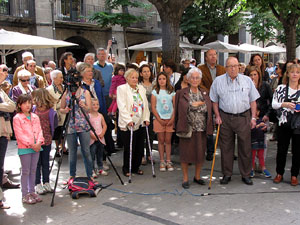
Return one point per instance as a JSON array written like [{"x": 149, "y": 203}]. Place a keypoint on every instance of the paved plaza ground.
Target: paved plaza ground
[{"x": 159, "y": 200}]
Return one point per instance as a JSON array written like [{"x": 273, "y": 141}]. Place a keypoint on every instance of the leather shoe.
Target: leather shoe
[
  {"x": 209, "y": 157},
  {"x": 225, "y": 180},
  {"x": 201, "y": 182},
  {"x": 247, "y": 180},
  {"x": 10, "y": 185},
  {"x": 278, "y": 179},
  {"x": 186, "y": 185},
  {"x": 294, "y": 181}
]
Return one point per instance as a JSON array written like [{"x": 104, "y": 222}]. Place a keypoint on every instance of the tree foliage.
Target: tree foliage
[
  {"x": 207, "y": 18},
  {"x": 124, "y": 18},
  {"x": 288, "y": 13}
]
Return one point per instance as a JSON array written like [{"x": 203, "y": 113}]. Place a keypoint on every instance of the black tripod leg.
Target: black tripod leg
[
  {"x": 92, "y": 128},
  {"x": 65, "y": 128}
]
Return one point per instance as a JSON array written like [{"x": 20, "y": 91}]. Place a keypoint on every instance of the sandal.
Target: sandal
[
  {"x": 126, "y": 174},
  {"x": 2, "y": 206},
  {"x": 140, "y": 172}
]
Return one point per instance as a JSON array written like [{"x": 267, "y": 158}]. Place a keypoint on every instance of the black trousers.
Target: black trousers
[
  {"x": 284, "y": 137},
  {"x": 3, "y": 147},
  {"x": 137, "y": 149}
]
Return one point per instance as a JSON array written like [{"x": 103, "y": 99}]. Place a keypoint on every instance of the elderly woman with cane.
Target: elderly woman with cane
[
  {"x": 193, "y": 121},
  {"x": 133, "y": 116}
]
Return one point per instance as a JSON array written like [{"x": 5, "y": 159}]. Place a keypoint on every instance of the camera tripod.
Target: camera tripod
[{"x": 74, "y": 100}]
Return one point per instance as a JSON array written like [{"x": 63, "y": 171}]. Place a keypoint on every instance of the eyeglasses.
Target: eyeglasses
[
  {"x": 25, "y": 80},
  {"x": 195, "y": 78},
  {"x": 5, "y": 70},
  {"x": 232, "y": 66}
]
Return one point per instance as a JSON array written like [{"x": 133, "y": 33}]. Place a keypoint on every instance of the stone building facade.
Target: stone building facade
[{"x": 68, "y": 20}]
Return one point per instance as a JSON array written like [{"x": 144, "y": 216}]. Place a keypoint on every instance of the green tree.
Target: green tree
[
  {"x": 288, "y": 13},
  {"x": 117, "y": 13},
  {"x": 170, "y": 12},
  {"x": 263, "y": 26},
  {"x": 206, "y": 18}
]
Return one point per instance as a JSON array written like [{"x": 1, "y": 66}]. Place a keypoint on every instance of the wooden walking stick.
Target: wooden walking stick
[{"x": 213, "y": 163}]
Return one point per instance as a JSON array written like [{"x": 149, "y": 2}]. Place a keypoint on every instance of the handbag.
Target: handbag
[{"x": 187, "y": 134}]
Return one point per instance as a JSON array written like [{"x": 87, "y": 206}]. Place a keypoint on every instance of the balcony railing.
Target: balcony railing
[
  {"x": 82, "y": 14},
  {"x": 17, "y": 8}
]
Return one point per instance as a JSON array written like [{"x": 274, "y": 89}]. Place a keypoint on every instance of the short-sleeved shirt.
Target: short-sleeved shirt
[
  {"x": 233, "y": 96},
  {"x": 106, "y": 72},
  {"x": 164, "y": 104}
]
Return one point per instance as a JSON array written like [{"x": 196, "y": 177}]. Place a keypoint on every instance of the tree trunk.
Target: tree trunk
[
  {"x": 170, "y": 37},
  {"x": 290, "y": 32}
]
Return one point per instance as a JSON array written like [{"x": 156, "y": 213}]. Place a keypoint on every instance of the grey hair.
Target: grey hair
[
  {"x": 54, "y": 73},
  {"x": 81, "y": 66},
  {"x": 23, "y": 73},
  {"x": 26, "y": 54},
  {"x": 89, "y": 54},
  {"x": 194, "y": 70},
  {"x": 101, "y": 49},
  {"x": 129, "y": 72}
]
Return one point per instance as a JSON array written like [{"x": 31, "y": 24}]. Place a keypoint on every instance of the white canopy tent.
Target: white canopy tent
[
  {"x": 220, "y": 46},
  {"x": 11, "y": 42},
  {"x": 275, "y": 49},
  {"x": 156, "y": 46},
  {"x": 245, "y": 48}
]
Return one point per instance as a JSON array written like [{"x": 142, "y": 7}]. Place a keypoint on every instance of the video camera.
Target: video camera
[{"x": 72, "y": 80}]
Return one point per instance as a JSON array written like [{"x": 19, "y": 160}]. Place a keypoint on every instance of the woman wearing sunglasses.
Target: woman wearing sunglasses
[{"x": 23, "y": 86}]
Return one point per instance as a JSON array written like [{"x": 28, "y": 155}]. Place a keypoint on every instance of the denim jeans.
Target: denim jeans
[
  {"x": 97, "y": 149},
  {"x": 44, "y": 163},
  {"x": 84, "y": 139}
]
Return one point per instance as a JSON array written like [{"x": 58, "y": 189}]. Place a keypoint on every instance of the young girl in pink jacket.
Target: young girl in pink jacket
[{"x": 30, "y": 138}]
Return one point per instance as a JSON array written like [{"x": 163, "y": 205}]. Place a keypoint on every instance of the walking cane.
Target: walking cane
[
  {"x": 213, "y": 163},
  {"x": 130, "y": 153},
  {"x": 150, "y": 150}
]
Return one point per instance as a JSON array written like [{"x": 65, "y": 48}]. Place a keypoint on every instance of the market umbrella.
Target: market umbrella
[
  {"x": 245, "y": 48},
  {"x": 12, "y": 42},
  {"x": 220, "y": 46},
  {"x": 156, "y": 46},
  {"x": 275, "y": 49}
]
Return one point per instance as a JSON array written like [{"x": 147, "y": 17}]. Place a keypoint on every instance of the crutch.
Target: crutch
[
  {"x": 150, "y": 150},
  {"x": 130, "y": 153},
  {"x": 213, "y": 163}
]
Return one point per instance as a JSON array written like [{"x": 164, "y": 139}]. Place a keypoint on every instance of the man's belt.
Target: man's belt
[{"x": 243, "y": 114}]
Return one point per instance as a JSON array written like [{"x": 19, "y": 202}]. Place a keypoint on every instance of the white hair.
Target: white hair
[
  {"x": 52, "y": 62},
  {"x": 89, "y": 54},
  {"x": 26, "y": 54},
  {"x": 54, "y": 73},
  {"x": 30, "y": 62},
  {"x": 194, "y": 70},
  {"x": 23, "y": 73}
]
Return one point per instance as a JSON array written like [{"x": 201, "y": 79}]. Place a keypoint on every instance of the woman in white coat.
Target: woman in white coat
[{"x": 133, "y": 113}]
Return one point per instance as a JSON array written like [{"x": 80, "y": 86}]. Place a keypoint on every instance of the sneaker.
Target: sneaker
[
  {"x": 103, "y": 172},
  {"x": 48, "y": 188},
  {"x": 105, "y": 165},
  {"x": 36, "y": 197},
  {"x": 162, "y": 166},
  {"x": 28, "y": 199},
  {"x": 94, "y": 175},
  {"x": 170, "y": 166},
  {"x": 252, "y": 174},
  {"x": 267, "y": 173},
  {"x": 40, "y": 189}
]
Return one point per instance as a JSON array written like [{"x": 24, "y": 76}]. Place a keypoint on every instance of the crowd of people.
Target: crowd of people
[{"x": 185, "y": 106}]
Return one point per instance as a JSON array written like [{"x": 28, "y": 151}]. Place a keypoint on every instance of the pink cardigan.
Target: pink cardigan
[{"x": 26, "y": 131}]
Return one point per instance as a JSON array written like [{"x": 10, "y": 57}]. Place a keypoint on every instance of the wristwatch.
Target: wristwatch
[{"x": 253, "y": 118}]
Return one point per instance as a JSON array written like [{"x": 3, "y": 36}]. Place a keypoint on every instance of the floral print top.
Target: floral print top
[
  {"x": 197, "y": 115},
  {"x": 77, "y": 122},
  {"x": 137, "y": 108}
]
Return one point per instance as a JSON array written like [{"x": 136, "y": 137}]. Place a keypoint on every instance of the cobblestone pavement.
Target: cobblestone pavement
[{"x": 159, "y": 200}]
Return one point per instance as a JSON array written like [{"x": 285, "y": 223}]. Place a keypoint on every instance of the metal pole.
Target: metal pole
[{"x": 53, "y": 28}]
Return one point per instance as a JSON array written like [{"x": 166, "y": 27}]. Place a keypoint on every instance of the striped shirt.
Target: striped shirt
[{"x": 233, "y": 96}]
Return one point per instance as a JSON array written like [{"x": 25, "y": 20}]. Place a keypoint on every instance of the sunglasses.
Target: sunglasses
[
  {"x": 5, "y": 70},
  {"x": 25, "y": 80}
]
